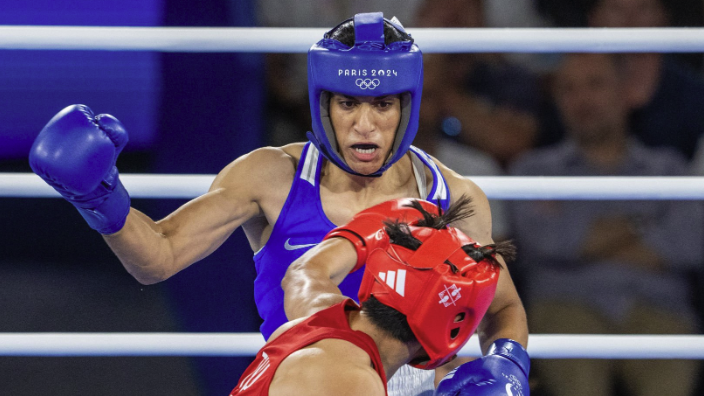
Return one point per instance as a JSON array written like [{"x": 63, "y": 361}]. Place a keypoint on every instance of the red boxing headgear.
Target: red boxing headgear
[{"x": 443, "y": 292}]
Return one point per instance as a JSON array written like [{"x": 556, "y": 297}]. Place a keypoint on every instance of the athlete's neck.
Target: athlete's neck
[
  {"x": 343, "y": 195},
  {"x": 393, "y": 352},
  {"x": 396, "y": 177}
]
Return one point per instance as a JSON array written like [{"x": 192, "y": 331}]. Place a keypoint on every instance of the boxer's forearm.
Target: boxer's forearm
[
  {"x": 310, "y": 284},
  {"x": 506, "y": 317},
  {"x": 306, "y": 293},
  {"x": 142, "y": 249},
  {"x": 153, "y": 251},
  {"x": 508, "y": 322}
]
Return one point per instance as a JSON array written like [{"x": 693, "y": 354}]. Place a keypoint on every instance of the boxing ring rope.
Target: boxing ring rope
[
  {"x": 559, "y": 346},
  {"x": 292, "y": 40},
  {"x": 298, "y": 40},
  {"x": 29, "y": 185},
  {"x": 540, "y": 346}
]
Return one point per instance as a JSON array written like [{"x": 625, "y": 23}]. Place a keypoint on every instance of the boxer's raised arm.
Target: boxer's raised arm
[{"x": 153, "y": 251}]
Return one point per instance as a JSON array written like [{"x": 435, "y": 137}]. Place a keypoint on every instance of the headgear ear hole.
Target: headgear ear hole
[
  {"x": 454, "y": 332},
  {"x": 460, "y": 317}
]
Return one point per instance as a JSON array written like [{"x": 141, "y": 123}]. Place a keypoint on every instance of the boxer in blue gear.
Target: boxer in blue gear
[
  {"x": 367, "y": 78},
  {"x": 302, "y": 223}
]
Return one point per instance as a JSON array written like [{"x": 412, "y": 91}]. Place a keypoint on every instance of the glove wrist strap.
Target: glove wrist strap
[
  {"x": 513, "y": 351},
  {"x": 109, "y": 216}
]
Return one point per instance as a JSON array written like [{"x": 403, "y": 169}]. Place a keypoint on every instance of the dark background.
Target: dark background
[
  {"x": 186, "y": 113},
  {"x": 56, "y": 274}
]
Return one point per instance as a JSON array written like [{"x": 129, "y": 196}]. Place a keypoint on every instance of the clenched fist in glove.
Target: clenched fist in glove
[{"x": 76, "y": 153}]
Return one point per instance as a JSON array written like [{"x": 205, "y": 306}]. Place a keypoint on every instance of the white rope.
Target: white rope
[
  {"x": 130, "y": 344},
  {"x": 593, "y": 188},
  {"x": 299, "y": 40},
  {"x": 541, "y": 346},
  {"x": 29, "y": 185}
]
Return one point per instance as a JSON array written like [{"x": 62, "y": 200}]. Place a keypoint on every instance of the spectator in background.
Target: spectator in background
[
  {"x": 463, "y": 159},
  {"x": 664, "y": 95},
  {"x": 521, "y": 14},
  {"x": 478, "y": 109},
  {"x": 574, "y": 13},
  {"x": 609, "y": 266},
  {"x": 481, "y": 100}
]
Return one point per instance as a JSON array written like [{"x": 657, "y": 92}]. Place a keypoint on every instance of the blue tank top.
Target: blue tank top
[{"x": 300, "y": 226}]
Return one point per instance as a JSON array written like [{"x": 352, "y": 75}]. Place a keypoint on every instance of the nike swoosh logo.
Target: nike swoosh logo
[
  {"x": 288, "y": 246},
  {"x": 508, "y": 390}
]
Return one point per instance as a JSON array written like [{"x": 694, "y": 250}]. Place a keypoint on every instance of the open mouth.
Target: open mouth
[{"x": 366, "y": 149}]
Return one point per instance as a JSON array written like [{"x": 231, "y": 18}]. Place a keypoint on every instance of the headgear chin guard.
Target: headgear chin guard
[
  {"x": 443, "y": 292},
  {"x": 369, "y": 68}
]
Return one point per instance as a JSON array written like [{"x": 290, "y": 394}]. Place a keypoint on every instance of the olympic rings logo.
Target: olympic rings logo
[{"x": 367, "y": 83}]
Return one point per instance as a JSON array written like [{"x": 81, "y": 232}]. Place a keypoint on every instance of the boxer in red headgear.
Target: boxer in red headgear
[{"x": 426, "y": 286}]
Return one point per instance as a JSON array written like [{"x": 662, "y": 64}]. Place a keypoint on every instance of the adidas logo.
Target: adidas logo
[{"x": 396, "y": 280}]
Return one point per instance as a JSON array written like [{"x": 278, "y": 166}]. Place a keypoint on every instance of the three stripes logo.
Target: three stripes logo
[{"x": 395, "y": 280}]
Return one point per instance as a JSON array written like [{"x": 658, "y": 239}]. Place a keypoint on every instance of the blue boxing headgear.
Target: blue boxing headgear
[{"x": 369, "y": 68}]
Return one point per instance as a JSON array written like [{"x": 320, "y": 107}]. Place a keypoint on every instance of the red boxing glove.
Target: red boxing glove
[{"x": 366, "y": 230}]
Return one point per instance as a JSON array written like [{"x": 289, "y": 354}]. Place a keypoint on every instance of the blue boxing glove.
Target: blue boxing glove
[
  {"x": 502, "y": 372},
  {"x": 76, "y": 153}
]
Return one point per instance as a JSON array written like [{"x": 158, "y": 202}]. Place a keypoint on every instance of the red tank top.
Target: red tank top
[{"x": 328, "y": 323}]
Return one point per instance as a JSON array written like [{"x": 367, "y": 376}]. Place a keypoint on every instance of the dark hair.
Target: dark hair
[
  {"x": 400, "y": 234},
  {"x": 388, "y": 319},
  {"x": 344, "y": 33}
]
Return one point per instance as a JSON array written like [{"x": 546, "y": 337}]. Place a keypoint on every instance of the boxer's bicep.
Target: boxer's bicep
[{"x": 310, "y": 283}]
